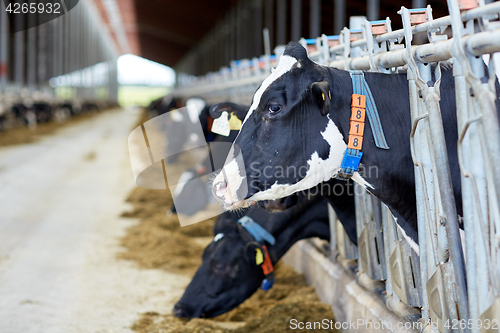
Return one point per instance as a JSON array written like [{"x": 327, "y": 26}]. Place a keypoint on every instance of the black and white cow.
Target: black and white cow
[
  {"x": 297, "y": 128},
  {"x": 339, "y": 192},
  {"x": 228, "y": 274}
]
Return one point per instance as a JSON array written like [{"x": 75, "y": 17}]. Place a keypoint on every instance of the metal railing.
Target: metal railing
[
  {"x": 68, "y": 60},
  {"x": 447, "y": 282}
]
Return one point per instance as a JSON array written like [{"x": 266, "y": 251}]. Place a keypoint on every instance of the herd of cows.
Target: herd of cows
[
  {"x": 28, "y": 113},
  {"x": 300, "y": 119}
]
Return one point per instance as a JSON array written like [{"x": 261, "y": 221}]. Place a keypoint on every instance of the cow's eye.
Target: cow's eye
[{"x": 274, "y": 108}]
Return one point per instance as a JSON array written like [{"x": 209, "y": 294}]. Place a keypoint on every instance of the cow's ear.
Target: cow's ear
[
  {"x": 321, "y": 94},
  {"x": 254, "y": 253},
  {"x": 240, "y": 110}
]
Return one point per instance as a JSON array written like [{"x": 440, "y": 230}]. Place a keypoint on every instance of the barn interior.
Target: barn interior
[{"x": 94, "y": 237}]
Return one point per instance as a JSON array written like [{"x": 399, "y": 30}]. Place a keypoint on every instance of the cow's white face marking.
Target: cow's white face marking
[
  {"x": 231, "y": 175},
  {"x": 285, "y": 64}
]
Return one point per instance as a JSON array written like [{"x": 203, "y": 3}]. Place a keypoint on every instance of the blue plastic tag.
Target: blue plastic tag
[
  {"x": 267, "y": 284},
  {"x": 351, "y": 161}
]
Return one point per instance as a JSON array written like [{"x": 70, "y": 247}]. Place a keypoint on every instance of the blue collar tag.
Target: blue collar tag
[
  {"x": 256, "y": 230},
  {"x": 350, "y": 164},
  {"x": 267, "y": 283}
]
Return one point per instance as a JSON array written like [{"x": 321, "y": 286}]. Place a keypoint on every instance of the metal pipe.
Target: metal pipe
[
  {"x": 315, "y": 19},
  {"x": 19, "y": 52},
  {"x": 32, "y": 52},
  {"x": 491, "y": 9},
  {"x": 257, "y": 31},
  {"x": 42, "y": 56},
  {"x": 269, "y": 20},
  {"x": 418, "y": 3},
  {"x": 296, "y": 24},
  {"x": 239, "y": 31},
  {"x": 281, "y": 22},
  {"x": 4, "y": 43},
  {"x": 332, "y": 219},
  {"x": 373, "y": 10},
  {"x": 339, "y": 15},
  {"x": 468, "y": 210},
  {"x": 427, "y": 53},
  {"x": 447, "y": 197}
]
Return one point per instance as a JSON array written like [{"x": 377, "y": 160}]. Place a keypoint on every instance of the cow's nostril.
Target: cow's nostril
[
  {"x": 179, "y": 311},
  {"x": 219, "y": 189}
]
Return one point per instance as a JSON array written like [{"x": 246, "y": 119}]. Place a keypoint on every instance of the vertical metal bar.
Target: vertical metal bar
[
  {"x": 421, "y": 215},
  {"x": 32, "y": 52},
  {"x": 239, "y": 41},
  {"x": 389, "y": 244},
  {"x": 339, "y": 14},
  {"x": 269, "y": 20},
  {"x": 244, "y": 30},
  {"x": 257, "y": 31},
  {"x": 232, "y": 34},
  {"x": 315, "y": 19},
  {"x": 373, "y": 10},
  {"x": 296, "y": 24},
  {"x": 281, "y": 22},
  {"x": 60, "y": 45},
  {"x": 54, "y": 35},
  {"x": 19, "y": 52},
  {"x": 449, "y": 208},
  {"x": 468, "y": 206},
  {"x": 4, "y": 45},
  {"x": 42, "y": 56},
  {"x": 66, "y": 47},
  {"x": 418, "y": 3},
  {"x": 249, "y": 37},
  {"x": 332, "y": 218}
]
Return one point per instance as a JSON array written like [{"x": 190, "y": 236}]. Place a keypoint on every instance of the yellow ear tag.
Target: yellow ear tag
[
  {"x": 329, "y": 95},
  {"x": 259, "y": 257},
  {"x": 234, "y": 123},
  {"x": 323, "y": 95}
]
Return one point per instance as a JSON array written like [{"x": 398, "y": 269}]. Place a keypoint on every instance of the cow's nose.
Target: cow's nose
[
  {"x": 180, "y": 311},
  {"x": 219, "y": 190}
]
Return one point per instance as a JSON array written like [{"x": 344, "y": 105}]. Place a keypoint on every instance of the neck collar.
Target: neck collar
[{"x": 262, "y": 257}]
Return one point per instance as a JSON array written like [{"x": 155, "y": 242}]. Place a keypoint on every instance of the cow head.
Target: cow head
[
  {"x": 290, "y": 139},
  {"x": 227, "y": 276}
]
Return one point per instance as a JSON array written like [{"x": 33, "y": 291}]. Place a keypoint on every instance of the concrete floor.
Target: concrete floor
[{"x": 60, "y": 201}]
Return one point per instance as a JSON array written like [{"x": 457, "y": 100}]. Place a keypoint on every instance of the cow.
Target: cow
[
  {"x": 43, "y": 111},
  {"x": 338, "y": 191},
  {"x": 229, "y": 274},
  {"x": 299, "y": 122}
]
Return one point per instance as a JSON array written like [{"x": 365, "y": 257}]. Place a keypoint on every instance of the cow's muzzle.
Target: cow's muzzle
[
  {"x": 180, "y": 311},
  {"x": 219, "y": 190}
]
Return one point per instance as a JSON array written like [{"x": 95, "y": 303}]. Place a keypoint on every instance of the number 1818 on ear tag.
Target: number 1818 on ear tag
[{"x": 221, "y": 125}]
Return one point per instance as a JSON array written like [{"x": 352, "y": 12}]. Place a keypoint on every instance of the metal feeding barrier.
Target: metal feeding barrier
[
  {"x": 447, "y": 285},
  {"x": 65, "y": 63}
]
